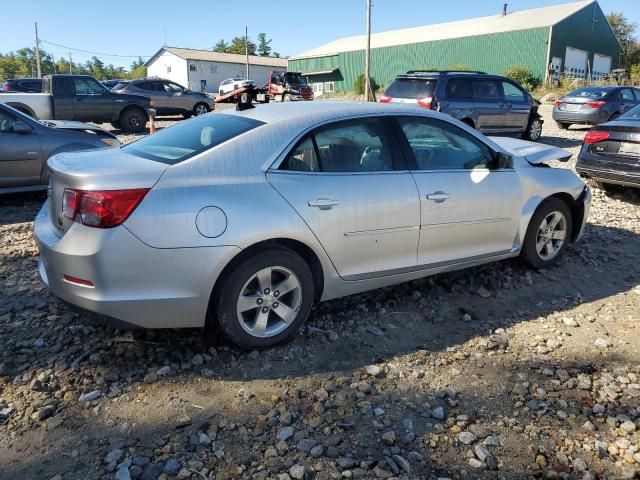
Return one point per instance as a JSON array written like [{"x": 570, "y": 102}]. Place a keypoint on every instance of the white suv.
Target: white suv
[{"x": 231, "y": 84}]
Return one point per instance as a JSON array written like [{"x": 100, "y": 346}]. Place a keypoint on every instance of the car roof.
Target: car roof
[{"x": 319, "y": 111}]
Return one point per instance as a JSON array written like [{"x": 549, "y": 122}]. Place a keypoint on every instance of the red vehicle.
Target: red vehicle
[{"x": 289, "y": 87}]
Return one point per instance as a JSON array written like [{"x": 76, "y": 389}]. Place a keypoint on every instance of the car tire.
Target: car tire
[
  {"x": 257, "y": 277},
  {"x": 133, "y": 120},
  {"x": 116, "y": 125},
  {"x": 533, "y": 131},
  {"x": 562, "y": 125},
  {"x": 545, "y": 244},
  {"x": 200, "y": 109},
  {"x": 470, "y": 123}
]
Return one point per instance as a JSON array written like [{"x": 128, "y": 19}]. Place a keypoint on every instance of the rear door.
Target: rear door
[
  {"x": 517, "y": 106},
  {"x": 469, "y": 209},
  {"x": 92, "y": 102},
  {"x": 20, "y": 155},
  {"x": 488, "y": 104},
  {"x": 348, "y": 182}
]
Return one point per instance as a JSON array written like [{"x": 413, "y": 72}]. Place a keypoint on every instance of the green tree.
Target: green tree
[
  {"x": 11, "y": 66},
  {"x": 137, "y": 63},
  {"x": 522, "y": 75},
  {"x": 139, "y": 72},
  {"x": 625, "y": 32},
  {"x": 358, "y": 85},
  {"x": 275, "y": 55},
  {"x": 238, "y": 46},
  {"x": 221, "y": 46},
  {"x": 264, "y": 50}
]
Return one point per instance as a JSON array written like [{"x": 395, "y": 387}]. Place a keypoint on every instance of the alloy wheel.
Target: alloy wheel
[
  {"x": 201, "y": 110},
  {"x": 269, "y": 302},
  {"x": 535, "y": 130},
  {"x": 552, "y": 234}
]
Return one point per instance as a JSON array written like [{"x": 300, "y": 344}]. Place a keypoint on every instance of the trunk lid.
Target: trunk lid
[
  {"x": 534, "y": 153},
  {"x": 623, "y": 143},
  {"x": 108, "y": 169}
]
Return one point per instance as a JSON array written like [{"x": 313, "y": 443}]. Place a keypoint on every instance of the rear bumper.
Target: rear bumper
[
  {"x": 616, "y": 177},
  {"x": 132, "y": 282},
  {"x": 589, "y": 118}
]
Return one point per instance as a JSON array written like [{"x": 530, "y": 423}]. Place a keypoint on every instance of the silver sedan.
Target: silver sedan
[{"x": 243, "y": 219}]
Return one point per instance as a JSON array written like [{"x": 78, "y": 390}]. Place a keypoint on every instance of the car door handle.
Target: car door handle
[
  {"x": 323, "y": 203},
  {"x": 438, "y": 197}
]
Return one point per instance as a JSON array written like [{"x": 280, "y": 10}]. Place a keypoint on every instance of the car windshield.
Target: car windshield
[
  {"x": 589, "y": 93},
  {"x": 120, "y": 86},
  {"x": 294, "y": 79},
  {"x": 175, "y": 144},
  {"x": 411, "y": 88},
  {"x": 631, "y": 114}
]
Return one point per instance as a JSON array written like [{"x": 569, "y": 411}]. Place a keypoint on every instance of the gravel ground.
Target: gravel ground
[{"x": 495, "y": 372}]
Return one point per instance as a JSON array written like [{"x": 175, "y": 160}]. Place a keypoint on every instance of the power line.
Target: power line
[{"x": 94, "y": 53}]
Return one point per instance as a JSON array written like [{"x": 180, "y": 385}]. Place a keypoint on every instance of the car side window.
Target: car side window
[
  {"x": 459, "y": 88},
  {"x": 627, "y": 95},
  {"x": 437, "y": 145},
  {"x": 302, "y": 158},
  {"x": 6, "y": 122},
  {"x": 345, "y": 146},
  {"x": 88, "y": 86},
  {"x": 172, "y": 88},
  {"x": 144, "y": 86},
  {"x": 486, "y": 89},
  {"x": 512, "y": 93}
]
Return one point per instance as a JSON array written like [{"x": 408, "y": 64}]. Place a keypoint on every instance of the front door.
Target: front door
[
  {"x": 469, "y": 209},
  {"x": 517, "y": 107},
  {"x": 92, "y": 102},
  {"x": 488, "y": 104},
  {"x": 20, "y": 155},
  {"x": 348, "y": 183}
]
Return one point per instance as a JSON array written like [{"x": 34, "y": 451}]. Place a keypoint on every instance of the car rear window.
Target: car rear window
[
  {"x": 175, "y": 144},
  {"x": 631, "y": 114},
  {"x": 411, "y": 88},
  {"x": 589, "y": 93}
]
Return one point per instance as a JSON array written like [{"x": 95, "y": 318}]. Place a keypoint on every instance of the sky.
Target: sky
[{"x": 127, "y": 30}]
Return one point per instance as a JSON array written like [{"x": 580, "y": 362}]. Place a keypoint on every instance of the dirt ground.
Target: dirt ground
[{"x": 495, "y": 372}]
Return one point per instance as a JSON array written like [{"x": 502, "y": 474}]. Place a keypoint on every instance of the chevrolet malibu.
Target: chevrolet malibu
[{"x": 243, "y": 219}]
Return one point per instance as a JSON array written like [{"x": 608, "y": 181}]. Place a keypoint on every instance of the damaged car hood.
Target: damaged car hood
[
  {"x": 534, "y": 153},
  {"x": 72, "y": 125}
]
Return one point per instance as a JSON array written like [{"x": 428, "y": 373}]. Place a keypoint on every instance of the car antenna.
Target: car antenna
[{"x": 240, "y": 106}]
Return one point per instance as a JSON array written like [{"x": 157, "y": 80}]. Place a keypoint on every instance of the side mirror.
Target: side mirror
[
  {"x": 503, "y": 160},
  {"x": 21, "y": 127}
]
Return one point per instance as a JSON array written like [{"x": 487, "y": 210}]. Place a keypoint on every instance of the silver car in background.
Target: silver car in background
[
  {"x": 26, "y": 144},
  {"x": 168, "y": 97},
  {"x": 244, "y": 219}
]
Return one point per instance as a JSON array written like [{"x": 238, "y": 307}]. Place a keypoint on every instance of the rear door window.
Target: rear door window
[
  {"x": 627, "y": 95},
  {"x": 486, "y": 89},
  {"x": 459, "y": 88},
  {"x": 411, "y": 88},
  {"x": 183, "y": 140},
  {"x": 346, "y": 146}
]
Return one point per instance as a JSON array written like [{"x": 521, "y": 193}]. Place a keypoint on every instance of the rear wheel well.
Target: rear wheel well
[
  {"x": 577, "y": 212},
  {"x": 300, "y": 248}
]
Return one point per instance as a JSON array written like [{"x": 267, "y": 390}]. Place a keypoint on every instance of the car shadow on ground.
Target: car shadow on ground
[{"x": 20, "y": 207}]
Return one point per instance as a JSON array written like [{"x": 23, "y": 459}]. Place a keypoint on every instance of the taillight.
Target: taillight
[
  {"x": 385, "y": 99},
  {"x": 597, "y": 104},
  {"x": 559, "y": 102},
  {"x": 594, "y": 136},
  {"x": 102, "y": 208},
  {"x": 425, "y": 102}
]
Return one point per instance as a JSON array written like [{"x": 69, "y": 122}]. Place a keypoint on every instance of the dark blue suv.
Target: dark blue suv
[{"x": 488, "y": 103}]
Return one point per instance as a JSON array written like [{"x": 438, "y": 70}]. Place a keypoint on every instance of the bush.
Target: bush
[
  {"x": 522, "y": 75},
  {"x": 634, "y": 72},
  {"x": 358, "y": 85}
]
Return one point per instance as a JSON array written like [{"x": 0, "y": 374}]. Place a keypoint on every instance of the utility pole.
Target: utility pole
[
  {"x": 246, "y": 49},
  {"x": 165, "y": 38},
  {"x": 70, "y": 63},
  {"x": 367, "y": 58},
  {"x": 38, "y": 52}
]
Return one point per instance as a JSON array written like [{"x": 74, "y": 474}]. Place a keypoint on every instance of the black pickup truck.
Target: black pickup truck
[{"x": 84, "y": 99}]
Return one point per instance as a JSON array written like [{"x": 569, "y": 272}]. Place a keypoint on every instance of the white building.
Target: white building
[{"x": 203, "y": 70}]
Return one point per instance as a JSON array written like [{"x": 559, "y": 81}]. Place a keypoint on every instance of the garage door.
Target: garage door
[
  {"x": 601, "y": 66},
  {"x": 575, "y": 62}
]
